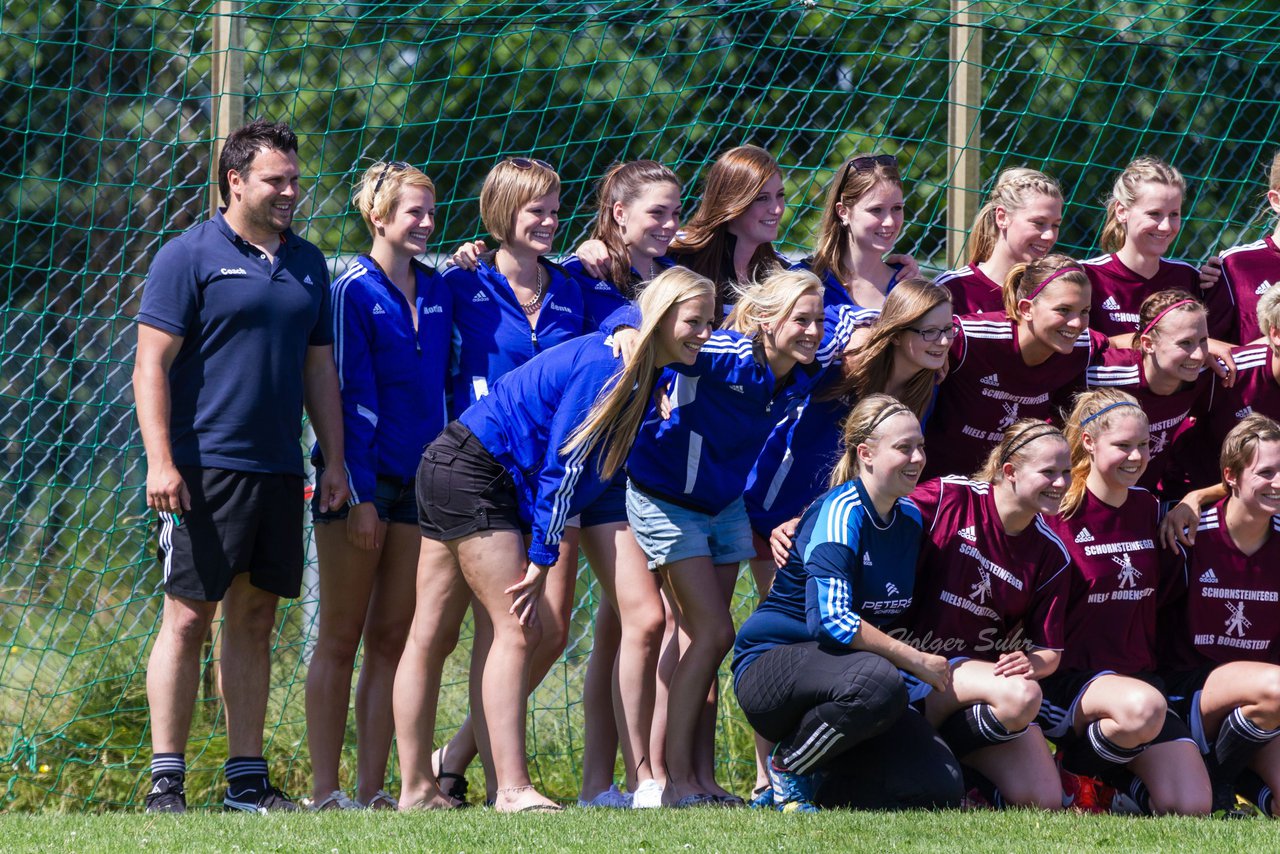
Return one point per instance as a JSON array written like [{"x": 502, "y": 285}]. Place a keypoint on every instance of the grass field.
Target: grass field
[{"x": 601, "y": 831}]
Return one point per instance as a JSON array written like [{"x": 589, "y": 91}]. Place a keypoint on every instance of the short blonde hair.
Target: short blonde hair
[
  {"x": 1241, "y": 445},
  {"x": 1269, "y": 311},
  {"x": 771, "y": 300},
  {"x": 378, "y": 191},
  {"x": 507, "y": 188},
  {"x": 1144, "y": 170}
]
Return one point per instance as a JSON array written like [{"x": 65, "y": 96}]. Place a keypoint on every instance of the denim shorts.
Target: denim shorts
[
  {"x": 392, "y": 496},
  {"x": 668, "y": 532}
]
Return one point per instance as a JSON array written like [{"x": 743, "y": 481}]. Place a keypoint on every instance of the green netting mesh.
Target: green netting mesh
[{"x": 105, "y": 125}]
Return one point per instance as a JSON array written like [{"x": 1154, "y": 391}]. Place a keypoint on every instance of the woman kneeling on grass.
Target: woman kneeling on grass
[
  {"x": 990, "y": 593},
  {"x": 542, "y": 445},
  {"x": 813, "y": 669}
]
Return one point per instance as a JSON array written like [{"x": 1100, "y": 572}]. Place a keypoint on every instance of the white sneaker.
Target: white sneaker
[
  {"x": 610, "y": 798},
  {"x": 647, "y": 796}
]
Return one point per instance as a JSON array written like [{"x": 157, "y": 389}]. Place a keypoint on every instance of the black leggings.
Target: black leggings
[
  {"x": 907, "y": 767},
  {"x": 817, "y": 703}
]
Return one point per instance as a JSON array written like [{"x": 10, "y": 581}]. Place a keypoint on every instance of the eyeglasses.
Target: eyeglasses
[
  {"x": 527, "y": 163},
  {"x": 398, "y": 165},
  {"x": 934, "y": 333},
  {"x": 866, "y": 164}
]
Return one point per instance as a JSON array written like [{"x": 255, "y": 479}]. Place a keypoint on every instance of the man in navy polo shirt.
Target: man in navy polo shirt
[{"x": 234, "y": 334}]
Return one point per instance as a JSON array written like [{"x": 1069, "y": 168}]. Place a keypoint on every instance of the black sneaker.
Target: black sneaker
[
  {"x": 166, "y": 795},
  {"x": 261, "y": 801}
]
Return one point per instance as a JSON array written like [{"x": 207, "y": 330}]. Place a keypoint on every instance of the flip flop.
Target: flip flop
[
  {"x": 541, "y": 808},
  {"x": 335, "y": 800},
  {"x": 700, "y": 799},
  {"x": 457, "y": 789},
  {"x": 729, "y": 801}
]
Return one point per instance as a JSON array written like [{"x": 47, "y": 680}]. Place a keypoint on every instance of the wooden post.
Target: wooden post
[
  {"x": 226, "y": 86},
  {"x": 964, "y": 132}
]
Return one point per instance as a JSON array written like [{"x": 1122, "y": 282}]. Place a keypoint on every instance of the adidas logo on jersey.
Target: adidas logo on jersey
[
  {"x": 1262, "y": 288},
  {"x": 1244, "y": 413},
  {"x": 1208, "y": 577},
  {"x": 866, "y": 560},
  {"x": 737, "y": 388},
  {"x": 378, "y": 309},
  {"x": 1110, "y": 304},
  {"x": 480, "y": 297},
  {"x": 969, "y": 534},
  {"x": 1084, "y": 536},
  {"x": 991, "y": 379},
  {"x": 306, "y": 280},
  {"x": 603, "y": 286}
]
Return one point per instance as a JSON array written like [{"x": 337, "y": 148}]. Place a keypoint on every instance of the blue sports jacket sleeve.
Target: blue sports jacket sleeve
[
  {"x": 562, "y": 475},
  {"x": 352, "y": 350},
  {"x": 828, "y": 609}
]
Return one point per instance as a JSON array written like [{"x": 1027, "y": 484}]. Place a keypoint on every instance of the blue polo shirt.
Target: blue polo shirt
[{"x": 235, "y": 386}]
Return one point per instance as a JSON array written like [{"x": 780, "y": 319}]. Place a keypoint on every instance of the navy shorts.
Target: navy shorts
[
  {"x": 239, "y": 522},
  {"x": 394, "y": 498},
  {"x": 462, "y": 489}
]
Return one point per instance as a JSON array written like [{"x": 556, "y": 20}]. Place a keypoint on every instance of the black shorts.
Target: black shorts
[
  {"x": 462, "y": 489},
  {"x": 394, "y": 498},
  {"x": 239, "y": 521},
  {"x": 1062, "y": 691},
  {"x": 1181, "y": 686}
]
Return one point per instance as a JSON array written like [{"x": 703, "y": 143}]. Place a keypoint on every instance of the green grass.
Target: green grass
[{"x": 600, "y": 831}]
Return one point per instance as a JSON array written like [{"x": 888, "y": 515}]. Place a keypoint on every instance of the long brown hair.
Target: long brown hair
[
  {"x": 851, "y": 184},
  {"x": 732, "y": 184},
  {"x": 615, "y": 417},
  {"x": 907, "y": 304},
  {"x": 1026, "y": 278},
  {"x": 866, "y": 418},
  {"x": 1144, "y": 170},
  {"x": 623, "y": 184},
  {"x": 1014, "y": 189},
  {"x": 1088, "y": 416}
]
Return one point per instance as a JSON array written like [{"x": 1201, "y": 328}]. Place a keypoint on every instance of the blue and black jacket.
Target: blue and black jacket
[
  {"x": 846, "y": 565},
  {"x": 526, "y": 418},
  {"x": 834, "y": 293},
  {"x": 722, "y": 410},
  {"x": 491, "y": 332},
  {"x": 392, "y": 378}
]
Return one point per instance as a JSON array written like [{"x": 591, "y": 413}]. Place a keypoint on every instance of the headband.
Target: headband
[
  {"x": 1106, "y": 409},
  {"x": 885, "y": 414},
  {"x": 1054, "y": 275},
  {"x": 1015, "y": 445},
  {"x": 1147, "y": 329}
]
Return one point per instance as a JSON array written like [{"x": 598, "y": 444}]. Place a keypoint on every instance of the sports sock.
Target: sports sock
[
  {"x": 1239, "y": 740},
  {"x": 1093, "y": 754},
  {"x": 246, "y": 774},
  {"x": 973, "y": 728},
  {"x": 168, "y": 765}
]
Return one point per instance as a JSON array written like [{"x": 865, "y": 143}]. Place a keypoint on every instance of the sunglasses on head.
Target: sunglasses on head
[
  {"x": 398, "y": 165},
  {"x": 528, "y": 163},
  {"x": 866, "y": 164}
]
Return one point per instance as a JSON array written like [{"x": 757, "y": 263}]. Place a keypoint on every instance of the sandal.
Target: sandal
[
  {"x": 541, "y": 808},
  {"x": 381, "y": 800},
  {"x": 335, "y": 800},
  {"x": 699, "y": 799},
  {"x": 457, "y": 788}
]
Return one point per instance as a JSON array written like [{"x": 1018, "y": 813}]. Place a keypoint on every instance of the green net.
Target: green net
[{"x": 106, "y": 112}]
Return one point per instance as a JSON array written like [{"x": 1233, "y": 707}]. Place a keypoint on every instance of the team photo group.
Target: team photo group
[{"x": 1010, "y": 527}]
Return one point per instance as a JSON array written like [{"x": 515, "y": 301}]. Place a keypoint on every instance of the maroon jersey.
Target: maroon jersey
[
  {"x": 1232, "y": 607},
  {"x": 989, "y": 387},
  {"x": 1115, "y": 582},
  {"x": 972, "y": 291},
  {"x": 980, "y": 592},
  {"x": 1255, "y": 390},
  {"x": 1123, "y": 369},
  {"x": 1118, "y": 292},
  {"x": 1248, "y": 271}
]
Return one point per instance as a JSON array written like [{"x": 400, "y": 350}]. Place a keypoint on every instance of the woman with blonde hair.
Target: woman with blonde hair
[
  {"x": 392, "y": 319},
  {"x": 814, "y": 669},
  {"x": 1104, "y": 705},
  {"x": 1018, "y": 224},
  {"x": 989, "y": 594},
  {"x": 1144, "y": 216},
  {"x": 686, "y": 478},
  {"x": 543, "y": 445}
]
